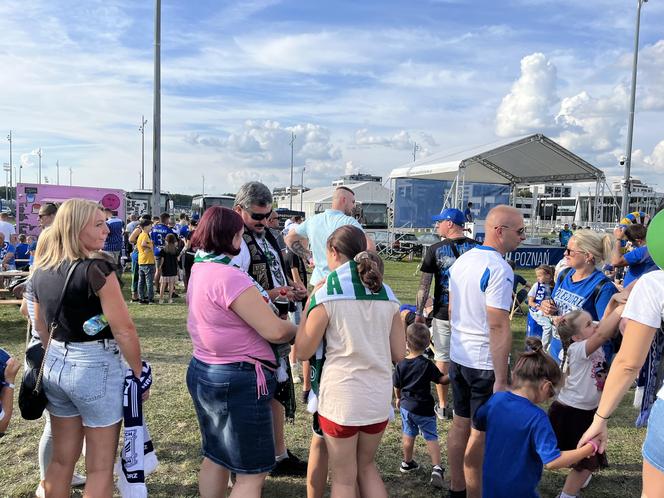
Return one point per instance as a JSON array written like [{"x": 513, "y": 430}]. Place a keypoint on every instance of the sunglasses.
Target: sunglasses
[
  {"x": 573, "y": 251},
  {"x": 258, "y": 216},
  {"x": 520, "y": 231}
]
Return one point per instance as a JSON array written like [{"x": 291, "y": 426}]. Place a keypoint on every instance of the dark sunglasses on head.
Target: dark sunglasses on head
[{"x": 258, "y": 216}]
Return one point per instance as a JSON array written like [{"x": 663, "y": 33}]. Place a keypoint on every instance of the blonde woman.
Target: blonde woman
[
  {"x": 582, "y": 285},
  {"x": 83, "y": 374}
]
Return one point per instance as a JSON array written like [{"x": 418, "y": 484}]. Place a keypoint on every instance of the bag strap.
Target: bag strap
[{"x": 54, "y": 324}]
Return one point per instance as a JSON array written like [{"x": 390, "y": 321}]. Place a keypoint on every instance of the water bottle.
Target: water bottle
[
  {"x": 95, "y": 325},
  {"x": 282, "y": 302}
]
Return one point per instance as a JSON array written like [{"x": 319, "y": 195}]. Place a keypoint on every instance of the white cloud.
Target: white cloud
[
  {"x": 656, "y": 158},
  {"x": 527, "y": 108},
  {"x": 400, "y": 140}
]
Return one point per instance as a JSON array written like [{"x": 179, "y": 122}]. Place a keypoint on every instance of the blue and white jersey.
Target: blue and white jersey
[
  {"x": 5, "y": 249},
  {"x": 540, "y": 292},
  {"x": 640, "y": 262},
  {"x": 479, "y": 278},
  {"x": 570, "y": 296},
  {"x": 115, "y": 237},
  {"x": 158, "y": 235}
]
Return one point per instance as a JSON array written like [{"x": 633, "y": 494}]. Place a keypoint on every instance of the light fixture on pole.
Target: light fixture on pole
[
  {"x": 156, "y": 113},
  {"x": 292, "y": 141},
  {"x": 302, "y": 188},
  {"x": 142, "y": 130},
  {"x": 9, "y": 138},
  {"x": 626, "y": 185},
  {"x": 39, "y": 153}
]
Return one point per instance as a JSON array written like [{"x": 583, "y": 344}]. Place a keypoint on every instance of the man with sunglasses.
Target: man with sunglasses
[
  {"x": 480, "y": 300},
  {"x": 261, "y": 257}
]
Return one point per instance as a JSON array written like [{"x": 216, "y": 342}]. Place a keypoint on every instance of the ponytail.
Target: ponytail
[
  {"x": 370, "y": 268},
  {"x": 566, "y": 329},
  {"x": 535, "y": 365}
]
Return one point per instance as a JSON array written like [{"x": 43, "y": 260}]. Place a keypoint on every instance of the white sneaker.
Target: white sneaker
[{"x": 77, "y": 480}]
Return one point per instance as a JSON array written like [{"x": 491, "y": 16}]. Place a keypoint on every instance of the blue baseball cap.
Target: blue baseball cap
[{"x": 452, "y": 214}]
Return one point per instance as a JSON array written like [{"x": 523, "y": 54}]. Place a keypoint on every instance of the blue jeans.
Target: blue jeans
[
  {"x": 235, "y": 422},
  {"x": 413, "y": 424},
  {"x": 653, "y": 446},
  {"x": 146, "y": 282}
]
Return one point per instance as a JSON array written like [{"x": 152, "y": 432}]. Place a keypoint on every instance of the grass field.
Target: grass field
[{"x": 174, "y": 429}]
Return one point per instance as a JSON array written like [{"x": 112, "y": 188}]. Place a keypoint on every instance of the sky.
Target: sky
[{"x": 359, "y": 84}]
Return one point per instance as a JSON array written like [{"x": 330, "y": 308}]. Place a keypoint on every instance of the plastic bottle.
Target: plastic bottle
[{"x": 95, "y": 325}]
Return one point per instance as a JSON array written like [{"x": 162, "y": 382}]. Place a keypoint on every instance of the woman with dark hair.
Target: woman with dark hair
[
  {"x": 231, "y": 377},
  {"x": 355, "y": 319}
]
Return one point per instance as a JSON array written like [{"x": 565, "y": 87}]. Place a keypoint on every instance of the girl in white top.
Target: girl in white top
[
  {"x": 363, "y": 335},
  {"x": 585, "y": 369}
]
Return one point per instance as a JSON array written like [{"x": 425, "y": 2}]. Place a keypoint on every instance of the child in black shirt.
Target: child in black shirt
[{"x": 412, "y": 385}]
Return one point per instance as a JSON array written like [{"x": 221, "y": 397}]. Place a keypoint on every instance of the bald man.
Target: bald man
[
  {"x": 480, "y": 301},
  {"x": 310, "y": 238}
]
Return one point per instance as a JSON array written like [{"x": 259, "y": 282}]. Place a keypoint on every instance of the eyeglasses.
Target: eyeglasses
[
  {"x": 573, "y": 251},
  {"x": 520, "y": 231},
  {"x": 258, "y": 216}
]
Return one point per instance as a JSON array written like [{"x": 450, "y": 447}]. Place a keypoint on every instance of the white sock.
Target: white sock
[
  {"x": 565, "y": 495},
  {"x": 279, "y": 458}
]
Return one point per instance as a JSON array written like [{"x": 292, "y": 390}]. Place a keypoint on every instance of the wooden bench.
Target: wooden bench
[{"x": 16, "y": 302}]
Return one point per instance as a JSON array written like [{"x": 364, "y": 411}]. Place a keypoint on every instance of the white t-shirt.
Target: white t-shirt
[
  {"x": 478, "y": 278},
  {"x": 646, "y": 304},
  {"x": 8, "y": 230},
  {"x": 587, "y": 374}
]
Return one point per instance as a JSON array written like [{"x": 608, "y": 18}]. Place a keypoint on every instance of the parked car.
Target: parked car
[
  {"x": 428, "y": 239},
  {"x": 407, "y": 242}
]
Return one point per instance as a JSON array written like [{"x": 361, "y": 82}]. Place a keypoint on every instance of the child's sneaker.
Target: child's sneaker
[
  {"x": 407, "y": 467},
  {"x": 437, "y": 477},
  {"x": 170, "y": 301},
  {"x": 161, "y": 301}
]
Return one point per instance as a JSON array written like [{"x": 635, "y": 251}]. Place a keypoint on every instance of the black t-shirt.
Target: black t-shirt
[
  {"x": 80, "y": 302},
  {"x": 169, "y": 265},
  {"x": 414, "y": 377},
  {"x": 292, "y": 260},
  {"x": 437, "y": 260}
]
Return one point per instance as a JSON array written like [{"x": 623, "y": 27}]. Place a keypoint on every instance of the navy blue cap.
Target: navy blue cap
[{"x": 452, "y": 214}]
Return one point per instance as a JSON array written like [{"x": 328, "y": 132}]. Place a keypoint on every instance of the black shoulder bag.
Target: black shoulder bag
[{"x": 31, "y": 397}]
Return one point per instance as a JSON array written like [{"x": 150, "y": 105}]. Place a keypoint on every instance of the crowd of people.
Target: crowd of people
[{"x": 259, "y": 327}]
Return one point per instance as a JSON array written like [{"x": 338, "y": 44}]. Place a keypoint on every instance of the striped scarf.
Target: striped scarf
[
  {"x": 343, "y": 284},
  {"x": 137, "y": 458}
]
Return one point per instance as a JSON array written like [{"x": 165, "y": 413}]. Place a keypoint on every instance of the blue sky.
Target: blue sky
[{"x": 358, "y": 83}]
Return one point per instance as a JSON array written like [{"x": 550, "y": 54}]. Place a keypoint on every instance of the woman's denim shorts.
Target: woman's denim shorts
[
  {"x": 236, "y": 424},
  {"x": 85, "y": 379},
  {"x": 653, "y": 446}
]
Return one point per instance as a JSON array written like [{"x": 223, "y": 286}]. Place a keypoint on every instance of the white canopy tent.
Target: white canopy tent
[{"x": 533, "y": 159}]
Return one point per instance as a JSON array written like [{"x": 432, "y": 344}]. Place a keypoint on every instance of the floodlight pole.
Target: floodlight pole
[
  {"x": 415, "y": 149},
  {"x": 142, "y": 130},
  {"x": 156, "y": 118},
  {"x": 292, "y": 141},
  {"x": 302, "y": 188},
  {"x": 39, "y": 153},
  {"x": 9, "y": 138},
  {"x": 626, "y": 186},
  {"x": 57, "y": 175}
]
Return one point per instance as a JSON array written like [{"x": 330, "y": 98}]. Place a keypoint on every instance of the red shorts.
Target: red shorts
[{"x": 344, "y": 431}]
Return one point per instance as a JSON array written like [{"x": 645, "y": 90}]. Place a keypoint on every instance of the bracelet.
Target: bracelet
[
  {"x": 594, "y": 445},
  {"x": 9, "y": 385},
  {"x": 603, "y": 418}
]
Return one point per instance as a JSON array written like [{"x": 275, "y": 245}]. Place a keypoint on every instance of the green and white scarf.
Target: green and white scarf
[{"x": 343, "y": 284}]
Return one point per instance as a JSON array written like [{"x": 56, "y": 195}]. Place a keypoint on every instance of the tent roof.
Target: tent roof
[{"x": 533, "y": 159}]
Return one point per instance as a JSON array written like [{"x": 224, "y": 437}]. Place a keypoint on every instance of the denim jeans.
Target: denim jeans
[{"x": 146, "y": 282}]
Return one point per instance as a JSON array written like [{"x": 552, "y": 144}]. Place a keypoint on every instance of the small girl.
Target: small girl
[
  {"x": 585, "y": 370},
  {"x": 519, "y": 432},
  {"x": 538, "y": 323},
  {"x": 169, "y": 267}
]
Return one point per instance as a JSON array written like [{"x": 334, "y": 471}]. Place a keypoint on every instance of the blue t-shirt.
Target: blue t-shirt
[
  {"x": 317, "y": 229},
  {"x": 564, "y": 237},
  {"x": 519, "y": 442},
  {"x": 158, "y": 235},
  {"x": 184, "y": 231},
  {"x": 570, "y": 296},
  {"x": 640, "y": 262},
  {"x": 22, "y": 252},
  {"x": 33, "y": 248},
  {"x": 6, "y": 248},
  {"x": 115, "y": 237}
]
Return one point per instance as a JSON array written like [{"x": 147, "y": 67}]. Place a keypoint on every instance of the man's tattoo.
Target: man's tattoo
[
  {"x": 301, "y": 251},
  {"x": 423, "y": 292}
]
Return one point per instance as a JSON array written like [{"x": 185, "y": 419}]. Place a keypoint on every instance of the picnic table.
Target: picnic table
[{"x": 6, "y": 297}]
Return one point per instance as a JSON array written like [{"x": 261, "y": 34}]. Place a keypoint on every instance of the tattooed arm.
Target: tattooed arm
[
  {"x": 422, "y": 296},
  {"x": 298, "y": 244}
]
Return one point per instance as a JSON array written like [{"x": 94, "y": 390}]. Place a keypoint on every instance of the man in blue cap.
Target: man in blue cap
[{"x": 435, "y": 266}]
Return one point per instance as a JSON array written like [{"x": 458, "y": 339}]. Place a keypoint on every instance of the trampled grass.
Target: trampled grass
[{"x": 174, "y": 429}]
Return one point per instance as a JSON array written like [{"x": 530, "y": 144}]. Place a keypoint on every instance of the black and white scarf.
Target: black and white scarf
[{"x": 137, "y": 458}]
